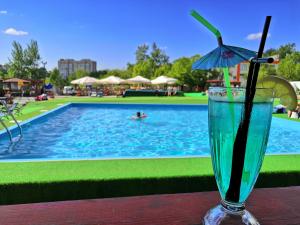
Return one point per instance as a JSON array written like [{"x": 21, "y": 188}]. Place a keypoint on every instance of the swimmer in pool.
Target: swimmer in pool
[{"x": 139, "y": 115}]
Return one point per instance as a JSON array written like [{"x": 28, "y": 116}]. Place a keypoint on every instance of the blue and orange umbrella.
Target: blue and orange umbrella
[{"x": 224, "y": 56}]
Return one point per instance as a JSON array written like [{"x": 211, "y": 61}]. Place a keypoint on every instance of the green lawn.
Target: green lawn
[
  {"x": 54, "y": 171},
  {"x": 24, "y": 182}
]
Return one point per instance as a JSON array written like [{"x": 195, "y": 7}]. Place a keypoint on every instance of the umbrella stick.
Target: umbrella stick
[
  {"x": 227, "y": 83},
  {"x": 229, "y": 93},
  {"x": 239, "y": 147}
]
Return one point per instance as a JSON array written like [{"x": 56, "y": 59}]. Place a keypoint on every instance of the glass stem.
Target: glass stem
[{"x": 234, "y": 208}]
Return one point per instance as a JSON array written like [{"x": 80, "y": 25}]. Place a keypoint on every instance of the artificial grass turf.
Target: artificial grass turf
[{"x": 23, "y": 182}]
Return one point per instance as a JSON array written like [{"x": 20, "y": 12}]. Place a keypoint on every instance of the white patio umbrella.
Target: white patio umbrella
[
  {"x": 111, "y": 80},
  {"x": 85, "y": 81},
  {"x": 164, "y": 80},
  {"x": 137, "y": 80}
]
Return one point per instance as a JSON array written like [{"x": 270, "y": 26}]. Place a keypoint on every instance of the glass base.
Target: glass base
[{"x": 226, "y": 213}]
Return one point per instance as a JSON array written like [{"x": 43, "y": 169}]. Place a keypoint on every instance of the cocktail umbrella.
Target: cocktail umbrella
[
  {"x": 224, "y": 56},
  {"x": 85, "y": 81},
  {"x": 164, "y": 80},
  {"x": 111, "y": 80}
]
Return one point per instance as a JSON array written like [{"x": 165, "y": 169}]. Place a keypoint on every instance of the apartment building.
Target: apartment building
[{"x": 69, "y": 66}]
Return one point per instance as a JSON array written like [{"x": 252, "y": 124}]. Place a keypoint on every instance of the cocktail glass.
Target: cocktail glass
[{"x": 225, "y": 115}]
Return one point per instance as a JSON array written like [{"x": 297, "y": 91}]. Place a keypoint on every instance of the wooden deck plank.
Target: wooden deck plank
[{"x": 280, "y": 206}]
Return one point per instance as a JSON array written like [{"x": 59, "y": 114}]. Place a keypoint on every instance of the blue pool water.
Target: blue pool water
[{"x": 82, "y": 131}]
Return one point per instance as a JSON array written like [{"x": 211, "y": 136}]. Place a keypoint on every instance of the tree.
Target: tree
[
  {"x": 32, "y": 61},
  {"x": 17, "y": 66},
  {"x": 56, "y": 79},
  {"x": 196, "y": 78},
  {"x": 282, "y": 51},
  {"x": 99, "y": 74},
  {"x": 77, "y": 75},
  {"x": 32, "y": 55},
  {"x": 180, "y": 68},
  {"x": 194, "y": 58},
  {"x": 162, "y": 70},
  {"x": 141, "y": 53},
  {"x": 129, "y": 69},
  {"x": 39, "y": 74},
  {"x": 147, "y": 64},
  {"x": 119, "y": 73},
  {"x": 271, "y": 52},
  {"x": 158, "y": 56},
  {"x": 289, "y": 67},
  {"x": 4, "y": 72},
  {"x": 286, "y": 49},
  {"x": 144, "y": 69},
  {"x": 25, "y": 63}
]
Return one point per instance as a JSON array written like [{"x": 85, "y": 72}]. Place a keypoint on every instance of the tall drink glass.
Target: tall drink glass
[{"x": 225, "y": 115}]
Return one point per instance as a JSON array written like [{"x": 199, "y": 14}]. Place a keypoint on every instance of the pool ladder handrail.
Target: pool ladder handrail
[
  {"x": 9, "y": 111},
  {"x": 5, "y": 127}
]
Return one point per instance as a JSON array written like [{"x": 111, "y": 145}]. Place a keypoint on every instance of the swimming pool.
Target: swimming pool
[{"x": 85, "y": 131}]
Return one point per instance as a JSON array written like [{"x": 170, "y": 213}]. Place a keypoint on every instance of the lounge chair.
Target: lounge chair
[
  {"x": 96, "y": 94},
  {"x": 93, "y": 94}
]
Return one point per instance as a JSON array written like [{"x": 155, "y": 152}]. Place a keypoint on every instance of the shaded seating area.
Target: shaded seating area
[
  {"x": 160, "y": 86},
  {"x": 135, "y": 86},
  {"x": 15, "y": 87}
]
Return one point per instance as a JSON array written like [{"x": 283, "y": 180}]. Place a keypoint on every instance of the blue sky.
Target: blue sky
[{"x": 109, "y": 31}]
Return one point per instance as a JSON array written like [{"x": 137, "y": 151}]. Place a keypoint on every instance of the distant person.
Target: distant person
[
  {"x": 295, "y": 114},
  {"x": 9, "y": 97},
  {"x": 139, "y": 115},
  {"x": 22, "y": 92},
  {"x": 174, "y": 90},
  {"x": 169, "y": 89}
]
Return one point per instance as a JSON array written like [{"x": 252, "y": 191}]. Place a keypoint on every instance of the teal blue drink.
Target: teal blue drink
[{"x": 224, "y": 118}]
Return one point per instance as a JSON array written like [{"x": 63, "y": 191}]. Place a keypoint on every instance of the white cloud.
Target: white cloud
[
  {"x": 13, "y": 31},
  {"x": 3, "y": 12},
  {"x": 255, "y": 36}
]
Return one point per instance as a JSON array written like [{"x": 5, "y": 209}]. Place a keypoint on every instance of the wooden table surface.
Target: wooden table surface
[{"x": 275, "y": 206}]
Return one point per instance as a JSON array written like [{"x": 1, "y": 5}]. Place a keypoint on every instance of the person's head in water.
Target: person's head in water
[{"x": 138, "y": 114}]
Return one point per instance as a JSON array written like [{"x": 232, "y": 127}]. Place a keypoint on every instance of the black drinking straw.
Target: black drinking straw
[{"x": 239, "y": 147}]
